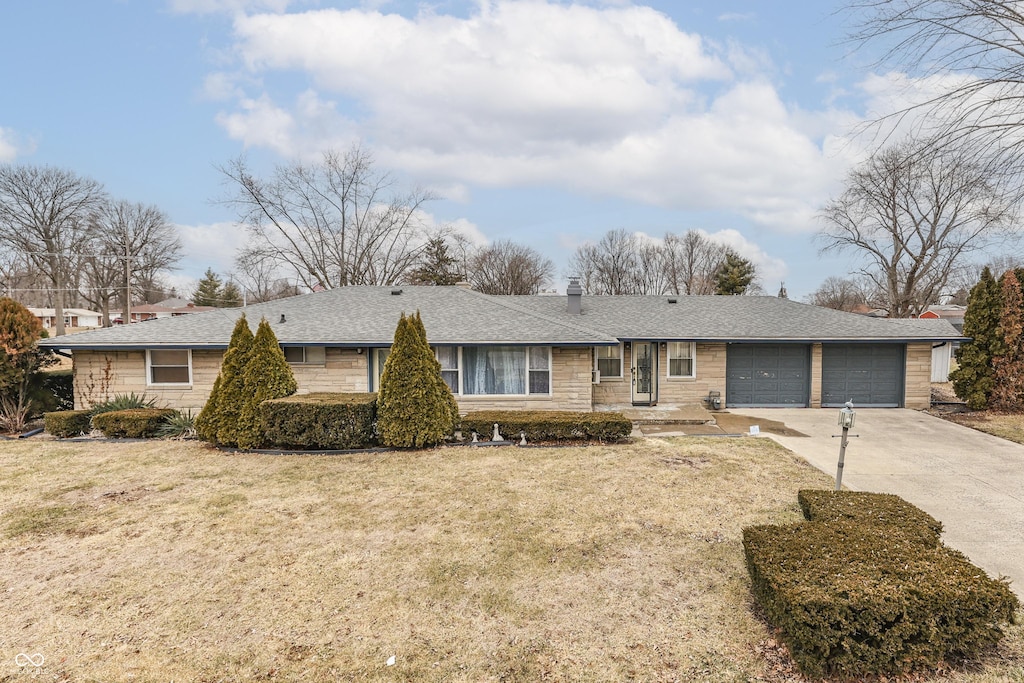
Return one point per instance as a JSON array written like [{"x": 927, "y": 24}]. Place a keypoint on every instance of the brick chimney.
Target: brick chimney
[{"x": 575, "y": 293}]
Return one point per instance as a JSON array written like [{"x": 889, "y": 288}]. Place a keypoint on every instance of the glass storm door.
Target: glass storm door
[{"x": 644, "y": 373}]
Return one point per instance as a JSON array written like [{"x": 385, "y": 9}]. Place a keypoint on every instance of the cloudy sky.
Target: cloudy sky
[{"x": 545, "y": 122}]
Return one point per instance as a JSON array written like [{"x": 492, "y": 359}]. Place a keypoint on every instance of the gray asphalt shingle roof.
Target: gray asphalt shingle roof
[{"x": 367, "y": 316}]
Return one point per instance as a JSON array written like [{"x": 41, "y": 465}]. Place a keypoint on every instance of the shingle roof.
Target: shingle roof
[
  {"x": 367, "y": 316},
  {"x": 354, "y": 316},
  {"x": 735, "y": 318}
]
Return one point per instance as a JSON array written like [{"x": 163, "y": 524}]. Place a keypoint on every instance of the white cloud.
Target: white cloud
[
  {"x": 770, "y": 270},
  {"x": 215, "y": 245},
  {"x": 609, "y": 101},
  {"x": 12, "y": 145}
]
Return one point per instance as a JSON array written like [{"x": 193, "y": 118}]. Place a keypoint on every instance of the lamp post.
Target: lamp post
[{"x": 846, "y": 416}]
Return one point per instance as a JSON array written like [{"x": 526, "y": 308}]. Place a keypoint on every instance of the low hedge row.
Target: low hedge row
[
  {"x": 67, "y": 423},
  {"x": 136, "y": 423},
  {"x": 549, "y": 425},
  {"x": 856, "y": 598},
  {"x": 876, "y": 509},
  {"x": 323, "y": 420}
]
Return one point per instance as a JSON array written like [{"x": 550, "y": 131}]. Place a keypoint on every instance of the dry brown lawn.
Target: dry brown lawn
[
  {"x": 1004, "y": 425},
  {"x": 170, "y": 561}
]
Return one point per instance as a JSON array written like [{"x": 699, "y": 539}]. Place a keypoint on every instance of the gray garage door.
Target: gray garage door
[
  {"x": 871, "y": 375},
  {"x": 767, "y": 375}
]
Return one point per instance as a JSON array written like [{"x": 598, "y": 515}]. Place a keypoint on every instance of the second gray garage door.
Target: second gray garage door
[
  {"x": 767, "y": 375},
  {"x": 871, "y": 375}
]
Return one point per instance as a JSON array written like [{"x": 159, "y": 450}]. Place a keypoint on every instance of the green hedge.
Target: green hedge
[
  {"x": 861, "y": 507},
  {"x": 549, "y": 425},
  {"x": 67, "y": 423},
  {"x": 323, "y": 420},
  {"x": 855, "y": 599},
  {"x": 135, "y": 423}
]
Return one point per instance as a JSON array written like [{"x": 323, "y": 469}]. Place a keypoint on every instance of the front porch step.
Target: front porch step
[{"x": 676, "y": 414}]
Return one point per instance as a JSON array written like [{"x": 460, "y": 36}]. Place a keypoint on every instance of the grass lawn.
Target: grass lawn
[
  {"x": 1004, "y": 425},
  {"x": 169, "y": 561}
]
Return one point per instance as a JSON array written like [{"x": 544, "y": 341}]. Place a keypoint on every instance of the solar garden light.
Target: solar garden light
[{"x": 846, "y": 417}]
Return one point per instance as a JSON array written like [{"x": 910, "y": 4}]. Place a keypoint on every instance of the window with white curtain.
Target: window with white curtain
[
  {"x": 448, "y": 357},
  {"x": 680, "y": 359},
  {"x": 506, "y": 370}
]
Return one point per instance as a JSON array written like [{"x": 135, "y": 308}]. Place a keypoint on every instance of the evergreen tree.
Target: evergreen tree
[
  {"x": 974, "y": 379},
  {"x": 217, "y": 421},
  {"x": 436, "y": 266},
  {"x": 735, "y": 275},
  {"x": 230, "y": 296},
  {"x": 415, "y": 408},
  {"x": 208, "y": 290},
  {"x": 20, "y": 362},
  {"x": 267, "y": 375},
  {"x": 1008, "y": 366}
]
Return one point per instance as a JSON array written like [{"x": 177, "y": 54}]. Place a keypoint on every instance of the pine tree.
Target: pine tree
[
  {"x": 436, "y": 266},
  {"x": 735, "y": 275},
  {"x": 973, "y": 380},
  {"x": 208, "y": 290},
  {"x": 230, "y": 296},
  {"x": 267, "y": 375},
  {"x": 415, "y": 408},
  {"x": 217, "y": 421},
  {"x": 1008, "y": 366}
]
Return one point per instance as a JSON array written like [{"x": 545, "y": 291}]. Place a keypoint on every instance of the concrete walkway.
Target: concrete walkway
[{"x": 972, "y": 482}]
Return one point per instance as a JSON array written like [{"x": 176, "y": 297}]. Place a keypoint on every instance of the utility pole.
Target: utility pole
[{"x": 127, "y": 316}]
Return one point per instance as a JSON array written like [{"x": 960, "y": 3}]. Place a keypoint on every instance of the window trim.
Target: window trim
[
  {"x": 286, "y": 349},
  {"x": 622, "y": 361},
  {"x": 457, "y": 369},
  {"x": 693, "y": 360},
  {"x": 149, "y": 369},
  {"x": 527, "y": 368}
]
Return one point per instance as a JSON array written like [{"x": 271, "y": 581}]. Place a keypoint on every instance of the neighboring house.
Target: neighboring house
[
  {"x": 569, "y": 352},
  {"x": 168, "y": 308},
  {"x": 942, "y": 352},
  {"x": 73, "y": 317}
]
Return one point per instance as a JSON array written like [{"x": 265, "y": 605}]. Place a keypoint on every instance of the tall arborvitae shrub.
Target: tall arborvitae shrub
[
  {"x": 267, "y": 375},
  {"x": 974, "y": 379},
  {"x": 415, "y": 408},
  {"x": 218, "y": 420},
  {"x": 1008, "y": 366}
]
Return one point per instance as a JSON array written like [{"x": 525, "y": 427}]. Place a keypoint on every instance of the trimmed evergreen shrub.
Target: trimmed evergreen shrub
[
  {"x": 877, "y": 509},
  {"x": 218, "y": 420},
  {"x": 974, "y": 378},
  {"x": 851, "y": 601},
  {"x": 415, "y": 408},
  {"x": 266, "y": 375},
  {"x": 549, "y": 425},
  {"x": 328, "y": 421},
  {"x": 64, "y": 424},
  {"x": 134, "y": 423}
]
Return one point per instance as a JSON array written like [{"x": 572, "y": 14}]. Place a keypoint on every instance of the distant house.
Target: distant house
[
  {"x": 168, "y": 308},
  {"x": 73, "y": 317},
  {"x": 570, "y": 352},
  {"x": 942, "y": 353}
]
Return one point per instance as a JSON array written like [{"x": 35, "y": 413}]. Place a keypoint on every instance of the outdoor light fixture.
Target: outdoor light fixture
[{"x": 846, "y": 416}]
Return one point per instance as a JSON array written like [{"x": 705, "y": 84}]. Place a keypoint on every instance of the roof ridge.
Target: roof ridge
[{"x": 504, "y": 303}]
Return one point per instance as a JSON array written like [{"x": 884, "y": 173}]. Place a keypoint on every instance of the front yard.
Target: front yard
[{"x": 170, "y": 561}]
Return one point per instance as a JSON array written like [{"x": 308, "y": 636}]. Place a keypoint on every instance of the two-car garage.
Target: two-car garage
[{"x": 780, "y": 374}]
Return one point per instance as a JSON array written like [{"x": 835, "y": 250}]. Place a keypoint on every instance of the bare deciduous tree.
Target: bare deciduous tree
[
  {"x": 509, "y": 268},
  {"x": 334, "y": 223},
  {"x": 840, "y": 293},
  {"x": 912, "y": 218},
  {"x": 259, "y": 276},
  {"x": 46, "y": 214},
  {"x": 693, "y": 260},
  {"x": 130, "y": 245},
  {"x": 975, "y": 50}
]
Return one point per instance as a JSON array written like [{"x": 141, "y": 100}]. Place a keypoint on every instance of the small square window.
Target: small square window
[
  {"x": 608, "y": 360},
  {"x": 169, "y": 366},
  {"x": 295, "y": 354}
]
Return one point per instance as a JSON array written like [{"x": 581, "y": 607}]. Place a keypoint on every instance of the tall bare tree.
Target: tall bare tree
[
  {"x": 692, "y": 260},
  {"x": 912, "y": 218},
  {"x": 509, "y": 268},
  {"x": 46, "y": 214},
  {"x": 260, "y": 276},
  {"x": 611, "y": 266},
  {"x": 131, "y": 244},
  {"x": 974, "y": 51},
  {"x": 840, "y": 293},
  {"x": 333, "y": 223}
]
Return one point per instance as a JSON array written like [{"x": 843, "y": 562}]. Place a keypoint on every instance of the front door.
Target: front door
[{"x": 645, "y": 373}]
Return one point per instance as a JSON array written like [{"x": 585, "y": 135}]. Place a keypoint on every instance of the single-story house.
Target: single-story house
[
  {"x": 168, "y": 308},
  {"x": 73, "y": 317},
  {"x": 570, "y": 352},
  {"x": 943, "y": 354}
]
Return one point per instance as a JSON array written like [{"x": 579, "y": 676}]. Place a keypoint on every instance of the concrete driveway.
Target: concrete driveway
[{"x": 972, "y": 482}]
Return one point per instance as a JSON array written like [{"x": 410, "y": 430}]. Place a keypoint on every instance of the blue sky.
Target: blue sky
[{"x": 544, "y": 122}]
